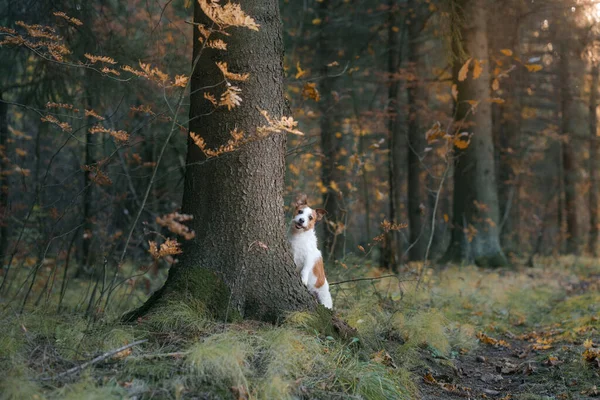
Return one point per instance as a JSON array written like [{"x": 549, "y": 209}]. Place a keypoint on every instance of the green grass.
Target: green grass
[{"x": 189, "y": 354}]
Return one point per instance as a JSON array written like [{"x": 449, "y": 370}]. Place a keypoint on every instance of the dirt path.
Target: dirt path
[{"x": 511, "y": 373}]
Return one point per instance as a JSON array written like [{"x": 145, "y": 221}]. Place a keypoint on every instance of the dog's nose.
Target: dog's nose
[{"x": 301, "y": 220}]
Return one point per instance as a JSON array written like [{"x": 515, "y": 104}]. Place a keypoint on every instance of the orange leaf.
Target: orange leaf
[
  {"x": 464, "y": 70},
  {"x": 477, "y": 69},
  {"x": 533, "y": 67}
]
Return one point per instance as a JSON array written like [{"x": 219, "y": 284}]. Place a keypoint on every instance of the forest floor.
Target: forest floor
[{"x": 464, "y": 332}]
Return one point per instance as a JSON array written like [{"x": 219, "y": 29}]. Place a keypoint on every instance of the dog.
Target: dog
[{"x": 307, "y": 257}]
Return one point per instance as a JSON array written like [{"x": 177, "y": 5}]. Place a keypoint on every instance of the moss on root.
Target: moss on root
[{"x": 200, "y": 287}]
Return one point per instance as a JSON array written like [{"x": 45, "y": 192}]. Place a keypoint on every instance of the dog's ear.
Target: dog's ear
[
  {"x": 301, "y": 200},
  {"x": 320, "y": 213}
]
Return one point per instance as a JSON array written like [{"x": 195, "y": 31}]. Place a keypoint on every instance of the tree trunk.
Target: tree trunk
[
  {"x": 331, "y": 144},
  {"x": 593, "y": 195},
  {"x": 239, "y": 264},
  {"x": 417, "y": 196},
  {"x": 3, "y": 180},
  {"x": 392, "y": 253},
  {"x": 475, "y": 234},
  {"x": 88, "y": 195},
  {"x": 507, "y": 124},
  {"x": 572, "y": 115}
]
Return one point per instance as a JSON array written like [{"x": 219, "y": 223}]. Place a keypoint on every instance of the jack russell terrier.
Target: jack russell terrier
[{"x": 308, "y": 258}]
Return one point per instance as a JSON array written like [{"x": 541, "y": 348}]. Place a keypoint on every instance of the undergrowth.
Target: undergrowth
[{"x": 189, "y": 355}]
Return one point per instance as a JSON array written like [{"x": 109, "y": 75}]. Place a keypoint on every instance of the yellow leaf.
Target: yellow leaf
[
  {"x": 533, "y": 67},
  {"x": 507, "y": 52},
  {"x": 477, "y": 69},
  {"x": 301, "y": 72},
  {"x": 464, "y": 70},
  {"x": 395, "y": 29},
  {"x": 496, "y": 100},
  {"x": 495, "y": 84},
  {"x": 188, "y": 3},
  {"x": 316, "y": 21},
  {"x": 361, "y": 248},
  {"x": 334, "y": 186},
  {"x": 446, "y": 218},
  {"x": 455, "y": 92}
]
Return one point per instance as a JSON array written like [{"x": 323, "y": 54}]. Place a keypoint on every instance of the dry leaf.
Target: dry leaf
[
  {"x": 477, "y": 69},
  {"x": 533, "y": 67},
  {"x": 309, "y": 91},
  {"x": 301, "y": 72},
  {"x": 464, "y": 70},
  {"x": 495, "y": 84}
]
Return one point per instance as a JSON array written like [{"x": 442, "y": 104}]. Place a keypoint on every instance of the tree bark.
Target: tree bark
[
  {"x": 593, "y": 195},
  {"x": 475, "y": 234},
  {"x": 239, "y": 264}
]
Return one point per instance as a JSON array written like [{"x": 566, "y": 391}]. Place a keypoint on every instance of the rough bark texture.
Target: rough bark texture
[
  {"x": 573, "y": 113},
  {"x": 331, "y": 145},
  {"x": 417, "y": 196},
  {"x": 593, "y": 196},
  {"x": 237, "y": 198},
  {"x": 475, "y": 234}
]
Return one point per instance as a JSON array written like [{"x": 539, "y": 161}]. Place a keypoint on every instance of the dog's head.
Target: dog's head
[{"x": 305, "y": 217}]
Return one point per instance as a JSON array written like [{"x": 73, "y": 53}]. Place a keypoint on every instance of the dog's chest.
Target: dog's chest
[{"x": 304, "y": 247}]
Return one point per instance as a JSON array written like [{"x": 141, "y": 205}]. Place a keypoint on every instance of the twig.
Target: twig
[
  {"x": 370, "y": 279},
  {"x": 95, "y": 360}
]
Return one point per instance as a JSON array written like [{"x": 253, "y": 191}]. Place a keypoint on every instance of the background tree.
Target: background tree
[{"x": 475, "y": 234}]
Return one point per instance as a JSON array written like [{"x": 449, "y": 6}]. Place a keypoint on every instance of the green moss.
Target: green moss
[
  {"x": 222, "y": 359},
  {"x": 189, "y": 317}
]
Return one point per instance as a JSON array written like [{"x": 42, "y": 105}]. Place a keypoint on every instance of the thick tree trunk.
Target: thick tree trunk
[
  {"x": 331, "y": 144},
  {"x": 475, "y": 234},
  {"x": 417, "y": 196},
  {"x": 239, "y": 264},
  {"x": 593, "y": 195}
]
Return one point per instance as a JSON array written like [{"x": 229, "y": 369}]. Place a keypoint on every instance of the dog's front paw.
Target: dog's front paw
[{"x": 305, "y": 281}]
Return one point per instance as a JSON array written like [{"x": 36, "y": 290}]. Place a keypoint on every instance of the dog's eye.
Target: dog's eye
[
  {"x": 310, "y": 217},
  {"x": 300, "y": 212}
]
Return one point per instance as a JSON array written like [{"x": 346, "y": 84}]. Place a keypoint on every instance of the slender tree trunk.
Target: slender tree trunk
[
  {"x": 331, "y": 141},
  {"x": 507, "y": 125},
  {"x": 88, "y": 195},
  {"x": 417, "y": 197},
  {"x": 392, "y": 247},
  {"x": 571, "y": 110},
  {"x": 475, "y": 233},
  {"x": 239, "y": 263},
  {"x": 3, "y": 180},
  {"x": 393, "y": 244},
  {"x": 593, "y": 195}
]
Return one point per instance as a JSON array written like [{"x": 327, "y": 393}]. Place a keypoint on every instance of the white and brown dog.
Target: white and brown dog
[{"x": 307, "y": 256}]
